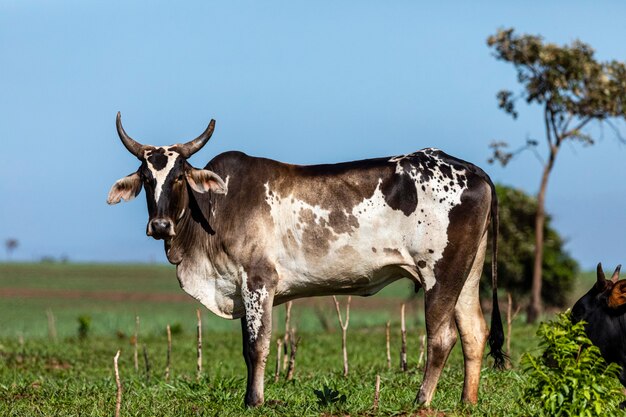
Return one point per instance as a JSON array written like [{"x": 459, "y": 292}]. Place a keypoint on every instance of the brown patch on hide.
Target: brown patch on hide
[
  {"x": 342, "y": 223},
  {"x": 617, "y": 298}
]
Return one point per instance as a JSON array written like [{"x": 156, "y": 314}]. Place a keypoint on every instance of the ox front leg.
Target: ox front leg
[{"x": 256, "y": 328}]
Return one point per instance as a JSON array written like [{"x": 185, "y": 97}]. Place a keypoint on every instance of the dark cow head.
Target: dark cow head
[
  {"x": 608, "y": 295},
  {"x": 603, "y": 309},
  {"x": 166, "y": 176}
]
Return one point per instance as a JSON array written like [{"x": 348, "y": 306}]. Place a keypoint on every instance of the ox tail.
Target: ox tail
[{"x": 496, "y": 334}]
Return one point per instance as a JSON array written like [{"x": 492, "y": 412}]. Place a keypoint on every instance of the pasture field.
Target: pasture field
[{"x": 69, "y": 376}]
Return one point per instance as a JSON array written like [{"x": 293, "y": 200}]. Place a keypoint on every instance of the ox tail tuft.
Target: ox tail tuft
[{"x": 496, "y": 333}]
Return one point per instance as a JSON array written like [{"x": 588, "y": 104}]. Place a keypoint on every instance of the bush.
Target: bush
[
  {"x": 570, "y": 377},
  {"x": 84, "y": 326},
  {"x": 516, "y": 246}
]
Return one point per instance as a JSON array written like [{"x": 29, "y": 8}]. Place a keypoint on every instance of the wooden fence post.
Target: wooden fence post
[
  {"x": 387, "y": 331},
  {"x": 403, "y": 365},
  {"x": 118, "y": 399},
  {"x": 169, "y": 353},
  {"x": 199, "y": 345},
  {"x": 286, "y": 343},
  {"x": 344, "y": 331},
  {"x": 376, "y": 392},
  {"x": 52, "y": 328},
  {"x": 136, "y": 344},
  {"x": 279, "y": 347}
]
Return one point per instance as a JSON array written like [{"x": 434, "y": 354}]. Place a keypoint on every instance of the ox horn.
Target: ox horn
[
  {"x": 133, "y": 146},
  {"x": 600, "y": 273},
  {"x": 615, "y": 276},
  {"x": 191, "y": 147}
]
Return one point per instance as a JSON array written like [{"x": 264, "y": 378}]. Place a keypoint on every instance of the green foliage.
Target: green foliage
[
  {"x": 176, "y": 328},
  {"x": 84, "y": 326},
  {"x": 572, "y": 86},
  {"x": 516, "y": 252},
  {"x": 328, "y": 396},
  {"x": 569, "y": 378}
]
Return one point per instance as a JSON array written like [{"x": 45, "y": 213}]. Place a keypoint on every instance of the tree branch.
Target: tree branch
[
  {"x": 557, "y": 138},
  {"x": 546, "y": 120},
  {"x": 616, "y": 131},
  {"x": 577, "y": 128}
]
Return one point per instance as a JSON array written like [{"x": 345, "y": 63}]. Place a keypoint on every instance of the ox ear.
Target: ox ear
[
  {"x": 617, "y": 298},
  {"x": 203, "y": 180},
  {"x": 126, "y": 188}
]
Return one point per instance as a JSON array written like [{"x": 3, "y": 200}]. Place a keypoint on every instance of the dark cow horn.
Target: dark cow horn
[
  {"x": 600, "y": 272},
  {"x": 133, "y": 146},
  {"x": 191, "y": 147},
  {"x": 615, "y": 276}
]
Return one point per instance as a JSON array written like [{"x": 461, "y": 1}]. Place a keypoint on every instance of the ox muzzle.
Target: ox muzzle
[{"x": 160, "y": 228}]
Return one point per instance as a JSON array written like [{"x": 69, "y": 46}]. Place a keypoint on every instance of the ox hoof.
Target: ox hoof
[
  {"x": 421, "y": 400},
  {"x": 253, "y": 401}
]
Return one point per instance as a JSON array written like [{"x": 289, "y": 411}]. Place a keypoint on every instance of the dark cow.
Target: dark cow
[
  {"x": 250, "y": 233},
  {"x": 603, "y": 309}
]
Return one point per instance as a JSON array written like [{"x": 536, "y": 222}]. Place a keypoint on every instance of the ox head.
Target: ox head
[
  {"x": 166, "y": 175},
  {"x": 607, "y": 295}
]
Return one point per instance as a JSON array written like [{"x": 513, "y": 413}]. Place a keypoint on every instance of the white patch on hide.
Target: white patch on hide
[
  {"x": 214, "y": 287},
  {"x": 161, "y": 174},
  {"x": 253, "y": 303}
]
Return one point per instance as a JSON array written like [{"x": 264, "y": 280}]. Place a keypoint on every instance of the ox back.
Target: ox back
[{"x": 250, "y": 233}]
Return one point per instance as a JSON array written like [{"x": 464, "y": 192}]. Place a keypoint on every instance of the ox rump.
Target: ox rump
[{"x": 250, "y": 233}]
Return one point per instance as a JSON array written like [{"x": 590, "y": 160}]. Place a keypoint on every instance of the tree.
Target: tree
[
  {"x": 11, "y": 245},
  {"x": 516, "y": 252},
  {"x": 574, "y": 89}
]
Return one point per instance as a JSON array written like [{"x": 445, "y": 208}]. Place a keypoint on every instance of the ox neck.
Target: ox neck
[{"x": 193, "y": 229}]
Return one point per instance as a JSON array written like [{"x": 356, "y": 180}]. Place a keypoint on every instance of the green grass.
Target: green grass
[{"x": 72, "y": 377}]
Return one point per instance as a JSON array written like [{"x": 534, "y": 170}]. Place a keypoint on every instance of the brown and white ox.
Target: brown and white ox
[{"x": 247, "y": 234}]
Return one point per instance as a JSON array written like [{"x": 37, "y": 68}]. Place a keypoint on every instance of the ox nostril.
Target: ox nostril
[{"x": 159, "y": 228}]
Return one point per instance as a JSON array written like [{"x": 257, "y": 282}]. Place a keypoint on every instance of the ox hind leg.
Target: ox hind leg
[
  {"x": 256, "y": 326},
  {"x": 472, "y": 327},
  {"x": 441, "y": 335},
  {"x": 450, "y": 274}
]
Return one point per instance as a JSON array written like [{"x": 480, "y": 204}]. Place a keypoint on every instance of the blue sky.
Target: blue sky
[{"x": 303, "y": 82}]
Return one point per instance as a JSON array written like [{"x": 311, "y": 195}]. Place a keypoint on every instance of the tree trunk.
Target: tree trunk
[{"x": 535, "y": 307}]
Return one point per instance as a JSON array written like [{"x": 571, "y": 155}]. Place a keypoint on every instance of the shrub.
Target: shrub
[
  {"x": 329, "y": 397},
  {"x": 84, "y": 325},
  {"x": 176, "y": 328},
  {"x": 570, "y": 377}
]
